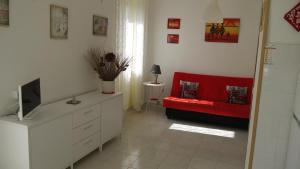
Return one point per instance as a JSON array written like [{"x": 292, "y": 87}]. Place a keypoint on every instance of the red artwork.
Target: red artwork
[
  {"x": 173, "y": 38},
  {"x": 293, "y": 17},
  {"x": 173, "y": 23},
  {"x": 226, "y": 32}
]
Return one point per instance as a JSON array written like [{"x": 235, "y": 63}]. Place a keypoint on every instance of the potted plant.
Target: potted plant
[{"x": 108, "y": 66}]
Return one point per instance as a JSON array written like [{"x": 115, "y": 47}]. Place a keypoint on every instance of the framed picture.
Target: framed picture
[
  {"x": 4, "y": 12},
  {"x": 58, "y": 22},
  {"x": 174, "y": 23},
  {"x": 100, "y": 25},
  {"x": 173, "y": 38},
  {"x": 226, "y": 32}
]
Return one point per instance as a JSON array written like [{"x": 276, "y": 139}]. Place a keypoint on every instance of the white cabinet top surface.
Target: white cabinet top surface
[{"x": 55, "y": 110}]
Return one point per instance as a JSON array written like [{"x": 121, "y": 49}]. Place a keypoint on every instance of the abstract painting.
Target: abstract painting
[
  {"x": 226, "y": 32},
  {"x": 4, "y": 12},
  {"x": 173, "y": 23},
  {"x": 58, "y": 22},
  {"x": 100, "y": 25},
  {"x": 173, "y": 38}
]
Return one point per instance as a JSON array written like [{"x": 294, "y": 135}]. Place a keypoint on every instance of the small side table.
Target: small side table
[{"x": 154, "y": 92}]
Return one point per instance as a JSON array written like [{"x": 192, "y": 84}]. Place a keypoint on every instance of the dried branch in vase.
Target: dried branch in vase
[{"x": 107, "y": 65}]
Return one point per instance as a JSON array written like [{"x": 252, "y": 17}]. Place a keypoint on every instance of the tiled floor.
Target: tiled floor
[{"x": 148, "y": 143}]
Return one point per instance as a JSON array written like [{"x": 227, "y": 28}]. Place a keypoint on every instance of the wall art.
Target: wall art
[
  {"x": 100, "y": 25},
  {"x": 173, "y": 38},
  {"x": 293, "y": 17},
  {"x": 58, "y": 22},
  {"x": 174, "y": 23},
  {"x": 4, "y": 12},
  {"x": 226, "y": 32}
]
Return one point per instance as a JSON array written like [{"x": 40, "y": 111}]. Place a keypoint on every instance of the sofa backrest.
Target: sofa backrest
[{"x": 211, "y": 87}]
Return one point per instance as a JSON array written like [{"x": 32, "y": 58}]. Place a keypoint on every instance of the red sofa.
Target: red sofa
[{"x": 213, "y": 97}]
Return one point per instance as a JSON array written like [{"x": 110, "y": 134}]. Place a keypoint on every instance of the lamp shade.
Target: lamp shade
[{"x": 156, "y": 69}]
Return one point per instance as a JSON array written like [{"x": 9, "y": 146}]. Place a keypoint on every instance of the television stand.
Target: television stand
[{"x": 61, "y": 134}]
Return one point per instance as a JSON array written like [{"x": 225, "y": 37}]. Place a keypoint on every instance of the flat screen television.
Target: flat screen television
[{"x": 29, "y": 98}]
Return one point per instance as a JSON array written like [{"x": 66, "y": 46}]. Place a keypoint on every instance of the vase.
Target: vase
[{"x": 108, "y": 87}]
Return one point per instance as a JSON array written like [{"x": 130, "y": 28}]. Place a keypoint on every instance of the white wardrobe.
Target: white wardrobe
[
  {"x": 293, "y": 155},
  {"x": 276, "y": 106}
]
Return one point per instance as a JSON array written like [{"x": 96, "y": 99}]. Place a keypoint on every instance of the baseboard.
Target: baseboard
[{"x": 207, "y": 118}]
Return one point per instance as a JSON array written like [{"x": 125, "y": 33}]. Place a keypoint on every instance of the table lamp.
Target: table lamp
[{"x": 155, "y": 70}]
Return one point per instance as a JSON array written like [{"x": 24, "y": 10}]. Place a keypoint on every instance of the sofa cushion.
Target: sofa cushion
[
  {"x": 208, "y": 107},
  {"x": 189, "y": 89},
  {"x": 237, "y": 95},
  {"x": 211, "y": 87}
]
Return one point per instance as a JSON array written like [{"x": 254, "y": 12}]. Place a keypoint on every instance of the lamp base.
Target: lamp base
[{"x": 155, "y": 79}]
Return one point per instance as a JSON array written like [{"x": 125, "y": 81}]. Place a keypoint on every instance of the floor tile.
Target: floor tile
[
  {"x": 148, "y": 142},
  {"x": 198, "y": 163}
]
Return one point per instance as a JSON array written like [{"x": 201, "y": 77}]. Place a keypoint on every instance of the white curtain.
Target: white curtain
[{"x": 131, "y": 21}]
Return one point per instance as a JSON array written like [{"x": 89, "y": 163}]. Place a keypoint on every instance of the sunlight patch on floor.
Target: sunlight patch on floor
[{"x": 203, "y": 130}]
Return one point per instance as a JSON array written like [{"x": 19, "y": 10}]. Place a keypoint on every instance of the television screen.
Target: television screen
[{"x": 31, "y": 96}]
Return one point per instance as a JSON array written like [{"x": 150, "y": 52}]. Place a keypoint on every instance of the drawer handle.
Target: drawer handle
[
  {"x": 88, "y": 127},
  {"x": 88, "y": 142},
  {"x": 88, "y": 112}
]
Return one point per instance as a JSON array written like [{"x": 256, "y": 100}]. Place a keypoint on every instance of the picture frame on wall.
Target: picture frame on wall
[
  {"x": 4, "y": 12},
  {"x": 174, "y": 23},
  {"x": 173, "y": 38},
  {"x": 58, "y": 22},
  {"x": 225, "y": 32},
  {"x": 100, "y": 25}
]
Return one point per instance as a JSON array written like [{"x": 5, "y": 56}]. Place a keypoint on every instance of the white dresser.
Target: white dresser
[{"x": 60, "y": 134}]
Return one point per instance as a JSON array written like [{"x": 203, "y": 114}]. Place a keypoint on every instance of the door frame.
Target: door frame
[{"x": 261, "y": 55}]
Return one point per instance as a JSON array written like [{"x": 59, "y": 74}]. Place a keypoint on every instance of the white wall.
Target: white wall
[
  {"x": 193, "y": 54},
  {"x": 280, "y": 30},
  {"x": 27, "y": 52}
]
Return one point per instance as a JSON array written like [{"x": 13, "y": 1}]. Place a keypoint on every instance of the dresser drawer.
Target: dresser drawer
[
  {"x": 85, "y": 115},
  {"x": 86, "y": 146},
  {"x": 86, "y": 130}
]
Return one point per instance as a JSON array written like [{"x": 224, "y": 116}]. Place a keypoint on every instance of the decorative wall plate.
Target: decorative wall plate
[{"x": 293, "y": 17}]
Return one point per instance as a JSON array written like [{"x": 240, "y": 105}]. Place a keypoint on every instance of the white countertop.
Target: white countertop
[{"x": 54, "y": 110}]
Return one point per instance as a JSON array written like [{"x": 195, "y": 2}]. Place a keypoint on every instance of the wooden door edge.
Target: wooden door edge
[{"x": 264, "y": 28}]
